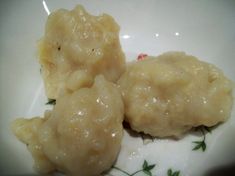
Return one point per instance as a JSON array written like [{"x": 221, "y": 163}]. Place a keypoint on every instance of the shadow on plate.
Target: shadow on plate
[
  {"x": 144, "y": 136},
  {"x": 199, "y": 131},
  {"x": 228, "y": 170}
]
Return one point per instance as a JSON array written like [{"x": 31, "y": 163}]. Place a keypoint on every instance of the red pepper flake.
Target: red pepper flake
[{"x": 141, "y": 56}]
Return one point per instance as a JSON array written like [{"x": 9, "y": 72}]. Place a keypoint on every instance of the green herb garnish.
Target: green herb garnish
[
  {"x": 51, "y": 102},
  {"x": 173, "y": 173},
  {"x": 146, "y": 168},
  {"x": 201, "y": 144}
]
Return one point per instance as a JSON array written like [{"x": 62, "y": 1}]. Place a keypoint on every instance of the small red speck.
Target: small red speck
[{"x": 141, "y": 56}]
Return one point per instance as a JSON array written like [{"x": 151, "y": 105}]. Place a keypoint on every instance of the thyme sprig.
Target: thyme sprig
[
  {"x": 146, "y": 169},
  {"x": 201, "y": 144}
]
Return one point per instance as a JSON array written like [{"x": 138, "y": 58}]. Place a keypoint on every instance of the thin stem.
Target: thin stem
[
  {"x": 136, "y": 172},
  {"x": 121, "y": 170},
  {"x": 204, "y": 136}
]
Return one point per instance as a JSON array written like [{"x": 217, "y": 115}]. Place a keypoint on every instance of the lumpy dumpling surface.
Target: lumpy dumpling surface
[
  {"x": 81, "y": 136},
  {"x": 169, "y": 94},
  {"x": 76, "y": 47}
]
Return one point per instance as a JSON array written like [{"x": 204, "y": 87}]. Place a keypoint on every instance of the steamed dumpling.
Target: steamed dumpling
[
  {"x": 76, "y": 47},
  {"x": 81, "y": 136},
  {"x": 169, "y": 94}
]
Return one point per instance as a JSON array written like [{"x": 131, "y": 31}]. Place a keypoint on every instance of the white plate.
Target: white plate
[{"x": 205, "y": 29}]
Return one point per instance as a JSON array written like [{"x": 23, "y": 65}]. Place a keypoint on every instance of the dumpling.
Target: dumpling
[
  {"x": 169, "y": 94},
  {"x": 76, "y": 47},
  {"x": 81, "y": 136}
]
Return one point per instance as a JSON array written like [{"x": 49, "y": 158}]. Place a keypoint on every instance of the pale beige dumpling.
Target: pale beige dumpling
[
  {"x": 169, "y": 94},
  {"x": 76, "y": 47},
  {"x": 81, "y": 136}
]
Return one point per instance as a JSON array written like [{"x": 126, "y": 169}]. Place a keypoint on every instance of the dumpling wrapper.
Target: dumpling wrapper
[
  {"x": 76, "y": 47},
  {"x": 81, "y": 135},
  {"x": 169, "y": 94}
]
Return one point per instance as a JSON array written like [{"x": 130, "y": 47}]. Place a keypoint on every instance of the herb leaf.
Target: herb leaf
[
  {"x": 177, "y": 173},
  {"x": 150, "y": 167},
  {"x": 171, "y": 173},
  {"x": 51, "y": 102},
  {"x": 201, "y": 144},
  {"x": 147, "y": 172},
  {"x": 147, "y": 167},
  {"x": 145, "y": 164}
]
